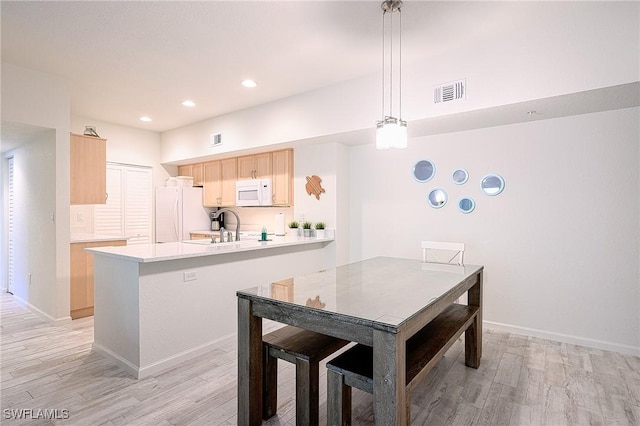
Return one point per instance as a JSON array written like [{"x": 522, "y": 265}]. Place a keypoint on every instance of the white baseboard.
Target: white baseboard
[
  {"x": 58, "y": 322},
  {"x": 564, "y": 338},
  {"x": 140, "y": 372}
]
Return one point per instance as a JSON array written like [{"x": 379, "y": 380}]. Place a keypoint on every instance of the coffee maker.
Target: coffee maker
[{"x": 218, "y": 222}]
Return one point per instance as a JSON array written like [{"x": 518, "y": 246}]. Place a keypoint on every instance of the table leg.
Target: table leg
[
  {"x": 389, "y": 371},
  {"x": 249, "y": 365},
  {"x": 473, "y": 335}
]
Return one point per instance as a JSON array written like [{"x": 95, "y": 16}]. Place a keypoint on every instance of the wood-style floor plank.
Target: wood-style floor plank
[{"x": 521, "y": 381}]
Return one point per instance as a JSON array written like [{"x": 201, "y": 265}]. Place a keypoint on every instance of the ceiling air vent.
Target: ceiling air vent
[
  {"x": 449, "y": 92},
  {"x": 215, "y": 139}
]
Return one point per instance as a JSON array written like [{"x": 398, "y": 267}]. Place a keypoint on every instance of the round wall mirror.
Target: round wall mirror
[
  {"x": 424, "y": 171},
  {"x": 437, "y": 198},
  {"x": 466, "y": 205},
  {"x": 459, "y": 176},
  {"x": 492, "y": 184}
]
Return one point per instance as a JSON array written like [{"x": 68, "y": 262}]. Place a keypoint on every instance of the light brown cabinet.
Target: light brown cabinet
[
  {"x": 282, "y": 180},
  {"x": 81, "y": 281},
  {"x": 196, "y": 236},
  {"x": 196, "y": 171},
  {"x": 220, "y": 183},
  {"x": 88, "y": 167},
  {"x": 254, "y": 166}
]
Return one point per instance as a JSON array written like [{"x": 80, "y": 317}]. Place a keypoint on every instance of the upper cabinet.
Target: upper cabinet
[
  {"x": 282, "y": 179},
  {"x": 219, "y": 177},
  {"x": 220, "y": 183},
  {"x": 254, "y": 166},
  {"x": 196, "y": 171},
  {"x": 88, "y": 170}
]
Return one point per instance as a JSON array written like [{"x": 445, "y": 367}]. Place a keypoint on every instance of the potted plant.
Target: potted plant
[
  {"x": 320, "y": 230},
  {"x": 293, "y": 226},
  {"x": 306, "y": 227}
]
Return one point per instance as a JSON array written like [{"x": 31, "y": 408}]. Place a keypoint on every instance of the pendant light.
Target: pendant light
[{"x": 391, "y": 132}]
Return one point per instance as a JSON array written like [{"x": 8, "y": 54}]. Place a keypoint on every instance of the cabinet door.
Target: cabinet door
[
  {"x": 198, "y": 174},
  {"x": 81, "y": 290},
  {"x": 228, "y": 186},
  {"x": 212, "y": 187},
  {"x": 245, "y": 167},
  {"x": 262, "y": 165},
  {"x": 186, "y": 170},
  {"x": 88, "y": 170},
  {"x": 193, "y": 170},
  {"x": 78, "y": 286},
  {"x": 282, "y": 177}
]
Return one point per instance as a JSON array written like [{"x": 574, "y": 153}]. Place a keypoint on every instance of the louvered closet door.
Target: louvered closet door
[
  {"x": 11, "y": 230},
  {"x": 109, "y": 217},
  {"x": 128, "y": 208},
  {"x": 138, "y": 205}
]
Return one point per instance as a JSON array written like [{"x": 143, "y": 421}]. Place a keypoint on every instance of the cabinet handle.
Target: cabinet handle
[{"x": 106, "y": 196}]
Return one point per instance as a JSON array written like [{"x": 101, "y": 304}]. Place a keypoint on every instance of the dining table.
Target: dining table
[{"x": 379, "y": 302}]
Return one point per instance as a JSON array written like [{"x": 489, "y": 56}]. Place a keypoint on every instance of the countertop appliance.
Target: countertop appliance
[
  {"x": 254, "y": 192},
  {"x": 179, "y": 210},
  {"x": 217, "y": 222}
]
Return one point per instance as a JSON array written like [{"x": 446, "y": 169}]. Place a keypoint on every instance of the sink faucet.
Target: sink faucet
[{"x": 215, "y": 215}]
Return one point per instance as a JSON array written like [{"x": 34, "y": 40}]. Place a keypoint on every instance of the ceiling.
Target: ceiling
[{"x": 126, "y": 59}]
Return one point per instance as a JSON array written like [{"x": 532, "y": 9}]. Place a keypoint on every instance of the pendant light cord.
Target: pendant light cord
[
  {"x": 400, "y": 67},
  {"x": 382, "y": 109}
]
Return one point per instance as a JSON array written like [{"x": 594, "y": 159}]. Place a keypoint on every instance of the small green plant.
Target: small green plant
[
  {"x": 307, "y": 225},
  {"x": 294, "y": 224},
  {"x": 320, "y": 225}
]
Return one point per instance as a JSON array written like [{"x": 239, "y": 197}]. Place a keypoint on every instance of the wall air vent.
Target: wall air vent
[
  {"x": 449, "y": 92},
  {"x": 215, "y": 139}
]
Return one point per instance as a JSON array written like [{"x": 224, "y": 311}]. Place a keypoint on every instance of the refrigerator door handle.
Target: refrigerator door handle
[{"x": 175, "y": 220}]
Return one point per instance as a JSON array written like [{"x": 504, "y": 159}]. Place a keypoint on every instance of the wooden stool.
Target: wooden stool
[
  {"x": 305, "y": 349},
  {"x": 354, "y": 367}
]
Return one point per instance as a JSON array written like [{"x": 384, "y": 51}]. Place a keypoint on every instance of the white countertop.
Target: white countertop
[
  {"x": 196, "y": 248},
  {"x": 86, "y": 237}
]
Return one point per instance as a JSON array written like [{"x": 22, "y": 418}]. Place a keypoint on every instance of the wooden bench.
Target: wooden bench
[
  {"x": 305, "y": 349},
  {"x": 354, "y": 367}
]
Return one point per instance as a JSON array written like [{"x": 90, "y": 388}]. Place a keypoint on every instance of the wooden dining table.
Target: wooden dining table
[{"x": 379, "y": 302}]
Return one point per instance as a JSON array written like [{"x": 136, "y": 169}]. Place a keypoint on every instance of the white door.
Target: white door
[
  {"x": 11, "y": 231},
  {"x": 137, "y": 205},
  {"x": 168, "y": 206},
  {"x": 109, "y": 219},
  {"x": 127, "y": 211}
]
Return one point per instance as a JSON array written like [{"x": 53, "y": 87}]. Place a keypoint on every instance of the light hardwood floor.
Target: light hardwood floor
[{"x": 521, "y": 381}]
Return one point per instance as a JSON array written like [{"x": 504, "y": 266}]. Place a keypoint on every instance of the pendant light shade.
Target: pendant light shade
[{"x": 391, "y": 132}]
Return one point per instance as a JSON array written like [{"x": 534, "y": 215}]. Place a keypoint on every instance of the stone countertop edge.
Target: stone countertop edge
[
  {"x": 147, "y": 253},
  {"x": 95, "y": 238}
]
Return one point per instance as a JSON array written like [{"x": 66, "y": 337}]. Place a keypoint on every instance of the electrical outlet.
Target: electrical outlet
[{"x": 189, "y": 276}]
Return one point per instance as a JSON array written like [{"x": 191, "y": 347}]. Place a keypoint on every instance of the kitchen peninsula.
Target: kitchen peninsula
[{"x": 158, "y": 305}]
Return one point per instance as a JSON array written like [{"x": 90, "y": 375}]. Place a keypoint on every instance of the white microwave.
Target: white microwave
[{"x": 253, "y": 192}]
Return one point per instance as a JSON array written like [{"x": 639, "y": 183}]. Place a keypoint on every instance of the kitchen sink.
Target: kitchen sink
[{"x": 220, "y": 246}]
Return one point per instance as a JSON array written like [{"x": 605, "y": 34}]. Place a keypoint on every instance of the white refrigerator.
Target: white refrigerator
[{"x": 179, "y": 211}]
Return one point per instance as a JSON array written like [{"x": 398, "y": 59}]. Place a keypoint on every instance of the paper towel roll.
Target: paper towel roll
[{"x": 280, "y": 224}]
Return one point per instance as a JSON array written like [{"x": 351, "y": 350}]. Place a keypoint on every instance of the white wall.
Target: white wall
[
  {"x": 33, "y": 98},
  {"x": 125, "y": 145},
  {"x": 128, "y": 145},
  {"x": 579, "y": 46},
  {"x": 561, "y": 244},
  {"x": 328, "y": 161},
  {"x": 35, "y": 202}
]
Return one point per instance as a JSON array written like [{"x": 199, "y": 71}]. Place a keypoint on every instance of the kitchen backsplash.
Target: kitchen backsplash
[
  {"x": 253, "y": 218},
  {"x": 81, "y": 218}
]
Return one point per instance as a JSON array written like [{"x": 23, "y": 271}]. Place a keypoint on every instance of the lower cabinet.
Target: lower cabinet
[{"x": 82, "y": 277}]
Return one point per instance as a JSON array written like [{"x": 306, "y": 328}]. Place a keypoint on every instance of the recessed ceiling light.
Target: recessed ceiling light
[
  {"x": 188, "y": 103},
  {"x": 249, "y": 83},
  {"x": 145, "y": 118}
]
